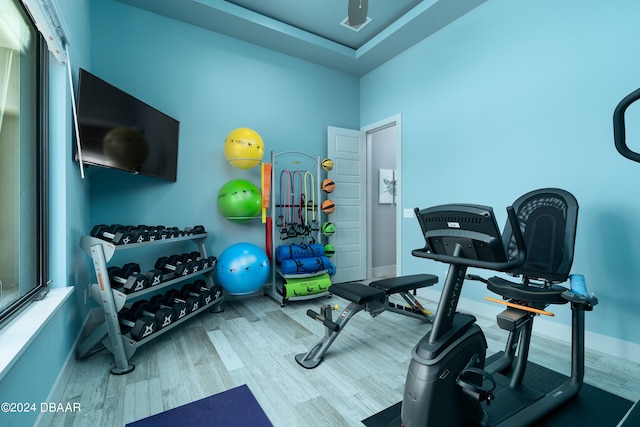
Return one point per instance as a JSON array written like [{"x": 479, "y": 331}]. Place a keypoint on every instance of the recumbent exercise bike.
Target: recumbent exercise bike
[{"x": 447, "y": 382}]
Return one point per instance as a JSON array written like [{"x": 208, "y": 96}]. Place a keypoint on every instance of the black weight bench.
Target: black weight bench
[{"x": 373, "y": 298}]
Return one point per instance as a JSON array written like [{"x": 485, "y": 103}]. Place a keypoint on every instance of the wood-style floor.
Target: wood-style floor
[{"x": 254, "y": 342}]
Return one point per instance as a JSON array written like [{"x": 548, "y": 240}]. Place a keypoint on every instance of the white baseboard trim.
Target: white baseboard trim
[
  {"x": 593, "y": 341},
  {"x": 554, "y": 330}
]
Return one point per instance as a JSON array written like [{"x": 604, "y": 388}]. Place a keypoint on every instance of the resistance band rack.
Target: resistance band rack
[
  {"x": 108, "y": 334},
  {"x": 295, "y": 215}
]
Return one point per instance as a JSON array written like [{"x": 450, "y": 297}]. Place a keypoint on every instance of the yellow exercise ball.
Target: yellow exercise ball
[{"x": 243, "y": 148}]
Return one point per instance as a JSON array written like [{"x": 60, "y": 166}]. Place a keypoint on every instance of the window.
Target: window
[{"x": 23, "y": 160}]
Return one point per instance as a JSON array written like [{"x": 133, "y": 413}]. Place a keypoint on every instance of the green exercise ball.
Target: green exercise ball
[{"x": 239, "y": 201}]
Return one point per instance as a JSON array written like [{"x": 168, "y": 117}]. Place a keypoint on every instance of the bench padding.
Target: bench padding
[
  {"x": 357, "y": 292},
  {"x": 396, "y": 285}
]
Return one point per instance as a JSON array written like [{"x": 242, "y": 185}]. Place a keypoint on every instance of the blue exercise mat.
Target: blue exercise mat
[
  {"x": 304, "y": 265},
  {"x": 299, "y": 251},
  {"x": 236, "y": 407}
]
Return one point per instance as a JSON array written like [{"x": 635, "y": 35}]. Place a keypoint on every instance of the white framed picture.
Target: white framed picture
[{"x": 387, "y": 186}]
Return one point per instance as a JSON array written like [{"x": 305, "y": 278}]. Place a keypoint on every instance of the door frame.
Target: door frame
[{"x": 395, "y": 120}]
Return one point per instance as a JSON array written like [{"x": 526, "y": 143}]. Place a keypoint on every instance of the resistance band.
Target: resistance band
[{"x": 306, "y": 199}]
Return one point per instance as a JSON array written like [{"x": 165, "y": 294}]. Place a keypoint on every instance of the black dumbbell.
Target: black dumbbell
[
  {"x": 179, "y": 308},
  {"x": 128, "y": 278},
  {"x": 173, "y": 265},
  {"x": 128, "y": 234},
  {"x": 117, "y": 234},
  {"x": 162, "y": 233},
  {"x": 140, "y": 327},
  {"x": 204, "y": 263},
  {"x": 141, "y": 233},
  {"x": 143, "y": 230},
  {"x": 151, "y": 233},
  {"x": 163, "y": 316},
  {"x": 104, "y": 231},
  {"x": 216, "y": 292},
  {"x": 199, "y": 290},
  {"x": 155, "y": 277},
  {"x": 189, "y": 291},
  {"x": 201, "y": 286},
  {"x": 197, "y": 229},
  {"x": 197, "y": 262},
  {"x": 193, "y": 303},
  {"x": 187, "y": 259},
  {"x": 158, "y": 233},
  {"x": 174, "y": 232}
]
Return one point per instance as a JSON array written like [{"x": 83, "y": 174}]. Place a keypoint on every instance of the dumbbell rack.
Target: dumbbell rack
[{"x": 108, "y": 334}]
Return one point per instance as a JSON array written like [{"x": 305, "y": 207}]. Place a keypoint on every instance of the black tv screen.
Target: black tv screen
[{"x": 117, "y": 130}]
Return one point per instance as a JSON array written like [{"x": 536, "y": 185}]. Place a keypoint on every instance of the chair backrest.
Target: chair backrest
[{"x": 548, "y": 218}]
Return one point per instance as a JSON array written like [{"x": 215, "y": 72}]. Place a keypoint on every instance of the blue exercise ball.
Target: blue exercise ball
[{"x": 243, "y": 268}]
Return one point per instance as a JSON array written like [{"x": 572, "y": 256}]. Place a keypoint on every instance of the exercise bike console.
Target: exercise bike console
[{"x": 464, "y": 235}]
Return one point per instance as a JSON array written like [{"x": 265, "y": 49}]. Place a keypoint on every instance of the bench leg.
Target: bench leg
[
  {"x": 413, "y": 301},
  {"x": 414, "y": 308},
  {"x": 313, "y": 357}
]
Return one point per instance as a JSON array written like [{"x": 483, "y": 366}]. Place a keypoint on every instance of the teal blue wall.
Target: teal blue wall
[
  {"x": 33, "y": 375},
  {"x": 209, "y": 82},
  {"x": 512, "y": 97},
  {"x": 516, "y": 96},
  {"x": 212, "y": 84}
]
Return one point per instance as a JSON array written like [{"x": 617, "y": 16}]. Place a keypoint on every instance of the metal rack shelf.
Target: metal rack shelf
[
  {"x": 291, "y": 160},
  {"x": 108, "y": 334}
]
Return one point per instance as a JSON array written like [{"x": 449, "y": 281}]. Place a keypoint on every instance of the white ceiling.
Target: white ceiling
[
  {"x": 323, "y": 17},
  {"x": 311, "y": 30}
]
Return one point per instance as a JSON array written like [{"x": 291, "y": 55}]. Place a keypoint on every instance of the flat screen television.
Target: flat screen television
[{"x": 117, "y": 130}]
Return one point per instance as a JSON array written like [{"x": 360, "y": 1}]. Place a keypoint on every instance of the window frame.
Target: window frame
[{"x": 42, "y": 180}]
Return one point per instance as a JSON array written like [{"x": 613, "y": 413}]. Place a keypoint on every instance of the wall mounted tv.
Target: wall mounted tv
[{"x": 117, "y": 130}]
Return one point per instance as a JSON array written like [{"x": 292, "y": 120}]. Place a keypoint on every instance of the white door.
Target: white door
[{"x": 347, "y": 149}]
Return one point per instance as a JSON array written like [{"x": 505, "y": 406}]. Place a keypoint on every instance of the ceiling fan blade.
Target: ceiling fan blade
[{"x": 357, "y": 13}]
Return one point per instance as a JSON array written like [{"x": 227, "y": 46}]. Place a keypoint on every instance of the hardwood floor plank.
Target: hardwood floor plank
[
  {"x": 113, "y": 409},
  {"x": 254, "y": 342},
  {"x": 228, "y": 356},
  {"x": 318, "y": 412}
]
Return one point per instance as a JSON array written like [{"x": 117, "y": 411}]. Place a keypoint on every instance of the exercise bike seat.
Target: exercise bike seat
[
  {"x": 357, "y": 292},
  {"x": 548, "y": 219},
  {"x": 549, "y": 294},
  {"x": 396, "y": 285}
]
